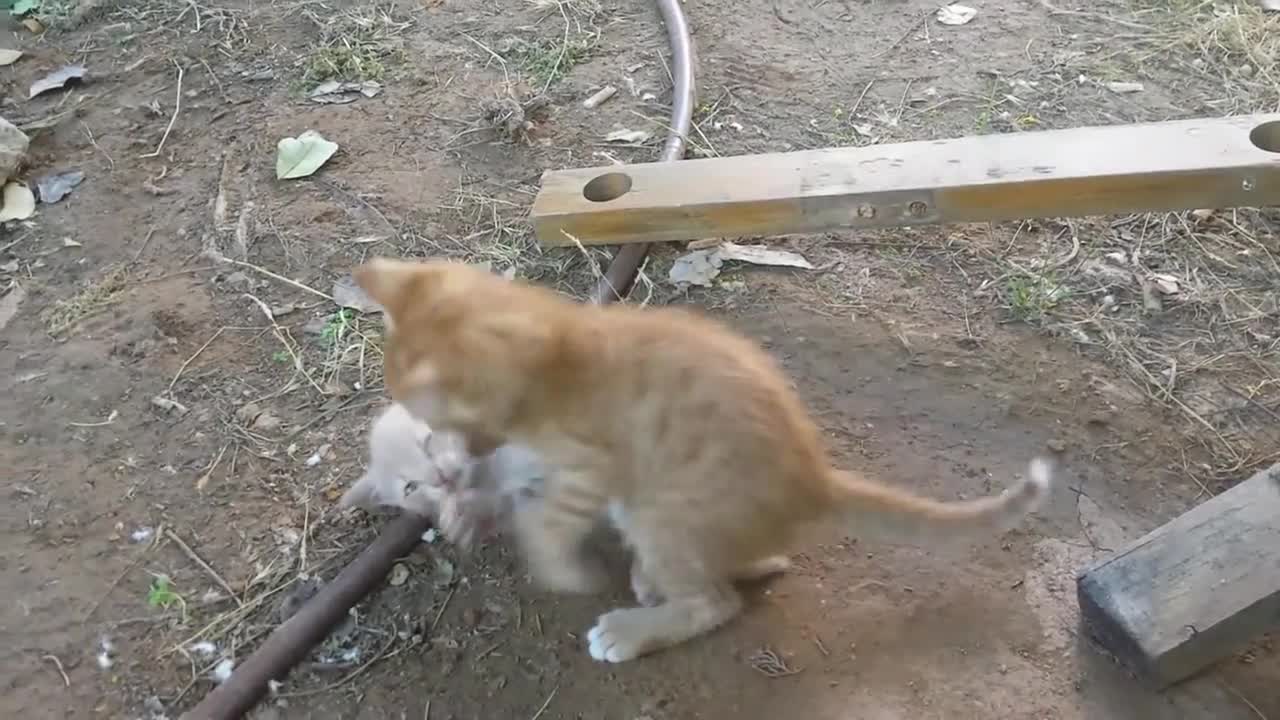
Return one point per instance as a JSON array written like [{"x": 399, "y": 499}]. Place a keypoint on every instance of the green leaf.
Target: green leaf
[
  {"x": 23, "y": 7},
  {"x": 161, "y": 594},
  {"x": 301, "y": 156}
]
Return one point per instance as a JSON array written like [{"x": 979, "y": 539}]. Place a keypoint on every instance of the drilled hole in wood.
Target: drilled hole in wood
[
  {"x": 609, "y": 186},
  {"x": 1266, "y": 136}
]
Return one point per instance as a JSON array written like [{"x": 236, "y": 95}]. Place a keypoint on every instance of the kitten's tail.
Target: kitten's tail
[{"x": 898, "y": 514}]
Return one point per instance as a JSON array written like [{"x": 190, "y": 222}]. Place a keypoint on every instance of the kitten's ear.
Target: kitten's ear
[{"x": 386, "y": 280}]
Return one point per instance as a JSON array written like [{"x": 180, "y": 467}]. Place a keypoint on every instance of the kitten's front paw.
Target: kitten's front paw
[{"x": 619, "y": 636}]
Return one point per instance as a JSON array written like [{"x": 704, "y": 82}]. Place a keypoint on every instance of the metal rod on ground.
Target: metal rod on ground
[
  {"x": 290, "y": 643},
  {"x": 621, "y": 273}
]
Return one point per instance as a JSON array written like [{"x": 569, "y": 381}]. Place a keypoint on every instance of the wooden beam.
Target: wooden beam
[
  {"x": 1180, "y": 165},
  {"x": 1193, "y": 591}
]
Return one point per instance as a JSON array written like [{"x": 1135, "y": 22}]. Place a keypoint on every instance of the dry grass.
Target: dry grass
[{"x": 94, "y": 298}]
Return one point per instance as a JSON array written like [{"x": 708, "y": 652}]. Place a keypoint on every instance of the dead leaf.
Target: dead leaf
[
  {"x": 341, "y": 93},
  {"x": 53, "y": 188},
  {"x": 955, "y": 14},
  {"x": 9, "y": 57},
  {"x": 34, "y": 26},
  {"x": 347, "y": 294},
  {"x": 58, "y": 79},
  {"x": 700, "y": 267},
  {"x": 628, "y": 136},
  {"x": 9, "y": 304}
]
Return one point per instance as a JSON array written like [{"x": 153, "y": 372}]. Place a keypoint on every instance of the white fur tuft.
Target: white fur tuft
[{"x": 1039, "y": 480}]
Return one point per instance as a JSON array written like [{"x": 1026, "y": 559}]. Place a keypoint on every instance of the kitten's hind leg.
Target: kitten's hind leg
[
  {"x": 551, "y": 534},
  {"x": 647, "y": 594},
  {"x": 625, "y": 634},
  {"x": 763, "y": 568},
  {"x": 691, "y": 597}
]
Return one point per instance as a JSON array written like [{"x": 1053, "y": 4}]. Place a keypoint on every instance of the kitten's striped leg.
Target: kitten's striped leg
[{"x": 551, "y": 532}]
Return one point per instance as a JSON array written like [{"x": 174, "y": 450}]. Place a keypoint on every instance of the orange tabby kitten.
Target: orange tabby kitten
[{"x": 689, "y": 435}]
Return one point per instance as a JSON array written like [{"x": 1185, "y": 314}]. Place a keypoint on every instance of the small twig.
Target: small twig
[
  {"x": 89, "y": 134},
  {"x": 281, "y": 278},
  {"x": 194, "y": 355},
  {"x": 444, "y": 605},
  {"x": 543, "y": 709},
  {"x": 145, "y": 242},
  {"x": 58, "y": 664},
  {"x": 770, "y": 664},
  {"x": 203, "y": 565},
  {"x": 177, "y": 107},
  {"x": 110, "y": 419}
]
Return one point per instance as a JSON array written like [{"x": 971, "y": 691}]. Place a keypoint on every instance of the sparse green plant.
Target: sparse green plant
[
  {"x": 355, "y": 63},
  {"x": 548, "y": 62},
  {"x": 281, "y": 357},
  {"x": 1031, "y": 297},
  {"x": 162, "y": 595},
  {"x": 336, "y": 326}
]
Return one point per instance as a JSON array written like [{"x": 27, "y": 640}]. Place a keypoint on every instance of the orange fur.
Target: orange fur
[{"x": 690, "y": 431}]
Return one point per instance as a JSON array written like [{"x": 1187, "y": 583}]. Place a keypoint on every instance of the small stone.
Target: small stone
[
  {"x": 248, "y": 413},
  {"x": 1057, "y": 445},
  {"x": 266, "y": 422},
  {"x": 399, "y": 574},
  {"x": 239, "y": 280},
  {"x": 13, "y": 149}
]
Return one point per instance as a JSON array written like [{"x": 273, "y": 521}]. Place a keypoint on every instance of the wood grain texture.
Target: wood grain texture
[
  {"x": 1194, "y": 590},
  {"x": 1166, "y": 166}
]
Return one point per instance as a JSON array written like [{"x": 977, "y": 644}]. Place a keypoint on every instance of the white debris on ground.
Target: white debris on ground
[{"x": 701, "y": 267}]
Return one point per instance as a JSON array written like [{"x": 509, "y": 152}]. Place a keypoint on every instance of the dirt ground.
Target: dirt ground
[{"x": 164, "y": 437}]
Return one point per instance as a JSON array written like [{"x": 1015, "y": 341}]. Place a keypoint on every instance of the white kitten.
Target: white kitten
[{"x": 431, "y": 473}]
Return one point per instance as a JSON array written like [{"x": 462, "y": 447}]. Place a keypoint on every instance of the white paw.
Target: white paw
[{"x": 615, "y": 638}]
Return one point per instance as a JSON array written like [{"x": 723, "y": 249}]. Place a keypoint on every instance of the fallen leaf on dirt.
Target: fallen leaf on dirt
[
  {"x": 955, "y": 14},
  {"x": 1124, "y": 88},
  {"x": 399, "y": 574},
  {"x": 302, "y": 156},
  {"x": 53, "y": 188},
  {"x": 700, "y": 267},
  {"x": 1166, "y": 284},
  {"x": 69, "y": 243},
  {"x": 9, "y": 304},
  {"x": 168, "y": 405},
  {"x": 341, "y": 93},
  {"x": 18, "y": 204},
  {"x": 58, "y": 79},
  {"x": 9, "y": 57},
  {"x": 33, "y": 26},
  {"x": 628, "y": 136},
  {"x": 347, "y": 294}
]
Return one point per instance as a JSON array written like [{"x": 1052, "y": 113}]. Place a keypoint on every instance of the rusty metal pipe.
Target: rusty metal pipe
[
  {"x": 290, "y": 643},
  {"x": 622, "y": 271}
]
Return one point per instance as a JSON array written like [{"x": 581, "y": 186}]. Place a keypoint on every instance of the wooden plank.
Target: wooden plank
[
  {"x": 1193, "y": 591},
  {"x": 1180, "y": 165}
]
